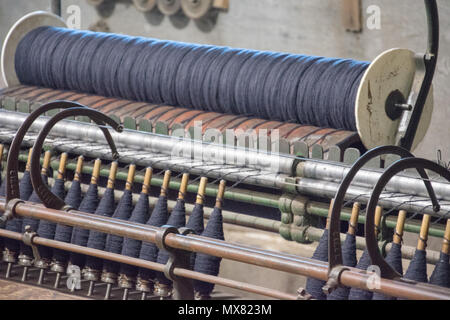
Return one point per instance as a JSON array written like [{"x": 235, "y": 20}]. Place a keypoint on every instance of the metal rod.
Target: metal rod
[{"x": 278, "y": 261}]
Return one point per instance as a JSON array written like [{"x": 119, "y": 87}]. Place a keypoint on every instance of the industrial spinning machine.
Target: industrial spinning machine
[{"x": 126, "y": 156}]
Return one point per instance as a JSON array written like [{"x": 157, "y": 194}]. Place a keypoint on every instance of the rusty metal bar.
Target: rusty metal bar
[
  {"x": 296, "y": 265},
  {"x": 153, "y": 265}
]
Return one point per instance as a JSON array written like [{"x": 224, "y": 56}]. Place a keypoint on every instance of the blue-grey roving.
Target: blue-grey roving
[
  {"x": 394, "y": 258},
  {"x": 205, "y": 263},
  {"x": 132, "y": 247},
  {"x": 114, "y": 243},
  {"x": 63, "y": 233},
  {"x": 287, "y": 87},
  {"x": 80, "y": 236},
  {"x": 149, "y": 251},
  {"x": 314, "y": 286},
  {"x": 97, "y": 240},
  {"x": 358, "y": 294},
  {"x": 177, "y": 219},
  {"x": 441, "y": 273}
]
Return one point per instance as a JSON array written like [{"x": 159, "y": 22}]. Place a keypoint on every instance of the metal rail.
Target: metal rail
[{"x": 278, "y": 261}]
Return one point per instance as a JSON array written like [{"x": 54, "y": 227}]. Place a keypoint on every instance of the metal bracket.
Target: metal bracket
[
  {"x": 48, "y": 198},
  {"x": 334, "y": 241},
  {"x": 426, "y": 66},
  {"x": 334, "y": 279},
  {"x": 27, "y": 238},
  {"x": 371, "y": 242},
  {"x": 183, "y": 287},
  {"x": 10, "y": 211}
]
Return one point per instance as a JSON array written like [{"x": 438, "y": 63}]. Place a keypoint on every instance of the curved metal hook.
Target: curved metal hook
[
  {"x": 334, "y": 241},
  {"x": 12, "y": 164},
  {"x": 407, "y": 163},
  {"x": 48, "y": 198}
]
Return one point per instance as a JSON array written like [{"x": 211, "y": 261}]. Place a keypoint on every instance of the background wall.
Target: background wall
[{"x": 298, "y": 26}]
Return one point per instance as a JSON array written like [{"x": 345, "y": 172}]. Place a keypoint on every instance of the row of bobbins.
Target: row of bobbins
[{"x": 193, "y": 9}]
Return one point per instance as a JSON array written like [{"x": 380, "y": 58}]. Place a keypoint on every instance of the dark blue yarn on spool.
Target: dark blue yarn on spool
[
  {"x": 314, "y": 286},
  {"x": 177, "y": 219},
  {"x": 97, "y": 240},
  {"x": 205, "y": 263},
  {"x": 358, "y": 294},
  {"x": 47, "y": 229},
  {"x": 349, "y": 260},
  {"x": 15, "y": 225},
  {"x": 2, "y": 187},
  {"x": 196, "y": 223},
  {"x": 149, "y": 251},
  {"x": 441, "y": 273},
  {"x": 80, "y": 236},
  {"x": 394, "y": 258},
  {"x": 63, "y": 233},
  {"x": 33, "y": 223},
  {"x": 278, "y": 86},
  {"x": 114, "y": 243},
  {"x": 417, "y": 270},
  {"x": 132, "y": 247}
]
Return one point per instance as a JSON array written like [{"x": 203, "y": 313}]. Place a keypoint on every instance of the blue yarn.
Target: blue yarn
[
  {"x": 63, "y": 233},
  {"x": 149, "y": 251},
  {"x": 33, "y": 223},
  {"x": 314, "y": 286},
  {"x": 205, "y": 263},
  {"x": 358, "y": 294},
  {"x": 80, "y": 236},
  {"x": 394, "y": 258},
  {"x": 441, "y": 273},
  {"x": 132, "y": 247},
  {"x": 177, "y": 219},
  {"x": 47, "y": 229},
  {"x": 349, "y": 260},
  {"x": 196, "y": 223},
  {"x": 15, "y": 225},
  {"x": 114, "y": 243},
  {"x": 97, "y": 239},
  {"x": 417, "y": 270},
  {"x": 307, "y": 90}
]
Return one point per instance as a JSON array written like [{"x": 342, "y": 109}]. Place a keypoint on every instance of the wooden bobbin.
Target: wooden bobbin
[
  {"x": 79, "y": 169},
  {"x": 378, "y": 215},
  {"x": 220, "y": 194},
  {"x": 96, "y": 171},
  {"x": 144, "y": 5},
  {"x": 353, "y": 223},
  {"x": 398, "y": 236},
  {"x": 201, "y": 191},
  {"x": 183, "y": 186},
  {"x": 27, "y": 166},
  {"x": 112, "y": 175},
  {"x": 446, "y": 242},
  {"x": 165, "y": 184},
  {"x": 147, "y": 180},
  {"x": 46, "y": 163},
  {"x": 2, "y": 149},
  {"x": 423, "y": 236},
  {"x": 62, "y": 166},
  {"x": 130, "y": 177}
]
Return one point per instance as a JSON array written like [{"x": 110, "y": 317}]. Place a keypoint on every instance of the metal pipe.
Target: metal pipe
[
  {"x": 327, "y": 189},
  {"x": 168, "y": 145},
  {"x": 278, "y": 261},
  {"x": 411, "y": 184},
  {"x": 152, "y": 265}
]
